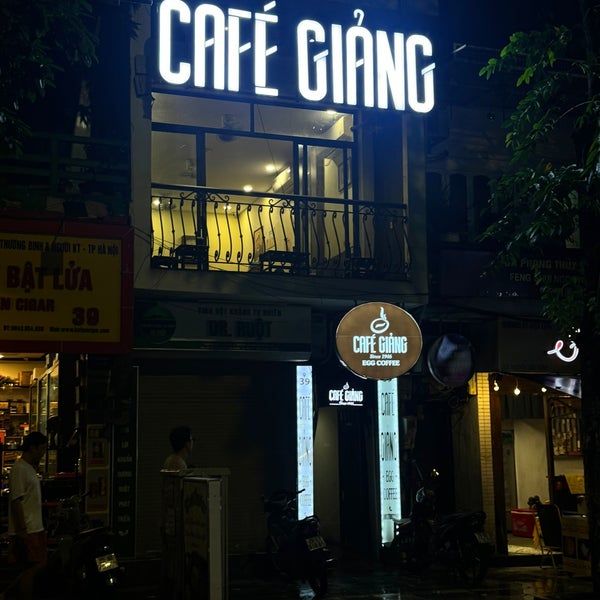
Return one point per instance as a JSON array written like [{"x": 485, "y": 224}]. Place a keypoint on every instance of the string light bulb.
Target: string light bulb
[
  {"x": 516, "y": 391},
  {"x": 544, "y": 390},
  {"x": 496, "y": 386}
]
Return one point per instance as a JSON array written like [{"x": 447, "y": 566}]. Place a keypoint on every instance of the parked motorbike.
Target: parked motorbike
[
  {"x": 84, "y": 563},
  {"x": 457, "y": 540},
  {"x": 296, "y": 547}
]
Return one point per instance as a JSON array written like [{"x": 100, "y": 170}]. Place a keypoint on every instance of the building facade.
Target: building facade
[
  {"x": 277, "y": 181},
  {"x": 519, "y": 435}
]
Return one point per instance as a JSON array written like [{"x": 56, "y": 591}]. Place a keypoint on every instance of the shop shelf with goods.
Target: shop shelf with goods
[
  {"x": 565, "y": 417},
  {"x": 565, "y": 464},
  {"x": 14, "y": 425},
  {"x": 14, "y": 415}
]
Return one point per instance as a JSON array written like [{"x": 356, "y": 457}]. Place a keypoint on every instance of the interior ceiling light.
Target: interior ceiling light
[
  {"x": 156, "y": 202},
  {"x": 1, "y": 356},
  {"x": 247, "y": 188},
  {"x": 330, "y": 111},
  {"x": 270, "y": 168},
  {"x": 516, "y": 391}
]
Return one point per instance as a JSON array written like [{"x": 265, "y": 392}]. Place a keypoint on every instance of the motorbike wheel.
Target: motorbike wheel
[
  {"x": 318, "y": 581},
  {"x": 473, "y": 562},
  {"x": 274, "y": 557}
]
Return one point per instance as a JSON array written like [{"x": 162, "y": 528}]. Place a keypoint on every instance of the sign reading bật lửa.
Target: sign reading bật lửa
[{"x": 59, "y": 288}]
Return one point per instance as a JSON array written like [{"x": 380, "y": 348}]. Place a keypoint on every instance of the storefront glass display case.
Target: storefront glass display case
[
  {"x": 43, "y": 404},
  {"x": 33, "y": 406},
  {"x": 48, "y": 416},
  {"x": 52, "y": 420},
  {"x": 43, "y": 394}
]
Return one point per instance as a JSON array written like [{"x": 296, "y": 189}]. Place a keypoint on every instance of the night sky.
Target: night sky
[{"x": 490, "y": 22}]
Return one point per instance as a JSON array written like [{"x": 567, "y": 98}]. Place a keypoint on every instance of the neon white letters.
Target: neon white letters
[
  {"x": 351, "y": 66},
  {"x": 217, "y": 38}
]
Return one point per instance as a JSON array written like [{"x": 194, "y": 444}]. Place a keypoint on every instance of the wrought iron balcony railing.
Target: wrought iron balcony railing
[{"x": 225, "y": 230}]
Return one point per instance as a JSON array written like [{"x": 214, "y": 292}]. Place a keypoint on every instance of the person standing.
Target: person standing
[
  {"x": 182, "y": 444},
  {"x": 25, "y": 525}
]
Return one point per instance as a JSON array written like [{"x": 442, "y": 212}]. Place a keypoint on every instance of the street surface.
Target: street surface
[
  {"x": 364, "y": 583},
  {"x": 530, "y": 583}
]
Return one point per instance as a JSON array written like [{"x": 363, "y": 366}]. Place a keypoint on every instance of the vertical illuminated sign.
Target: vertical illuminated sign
[
  {"x": 304, "y": 437},
  {"x": 389, "y": 459}
]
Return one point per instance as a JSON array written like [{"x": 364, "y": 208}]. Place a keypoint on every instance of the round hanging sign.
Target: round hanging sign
[{"x": 378, "y": 340}]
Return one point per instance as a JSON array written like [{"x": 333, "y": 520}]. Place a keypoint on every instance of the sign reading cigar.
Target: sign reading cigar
[{"x": 378, "y": 340}]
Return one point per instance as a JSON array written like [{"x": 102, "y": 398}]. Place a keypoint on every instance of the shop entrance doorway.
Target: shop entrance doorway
[
  {"x": 354, "y": 497},
  {"x": 345, "y": 485}
]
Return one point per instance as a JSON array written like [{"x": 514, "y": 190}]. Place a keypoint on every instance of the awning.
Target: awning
[{"x": 561, "y": 383}]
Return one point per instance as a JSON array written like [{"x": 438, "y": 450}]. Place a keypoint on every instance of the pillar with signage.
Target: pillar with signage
[
  {"x": 304, "y": 432},
  {"x": 389, "y": 457},
  {"x": 381, "y": 341}
]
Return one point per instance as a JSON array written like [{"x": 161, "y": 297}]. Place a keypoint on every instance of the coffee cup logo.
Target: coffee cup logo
[{"x": 380, "y": 325}]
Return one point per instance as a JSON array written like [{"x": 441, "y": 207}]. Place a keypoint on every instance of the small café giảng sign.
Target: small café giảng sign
[
  {"x": 378, "y": 340},
  {"x": 346, "y": 396},
  {"x": 344, "y": 64}
]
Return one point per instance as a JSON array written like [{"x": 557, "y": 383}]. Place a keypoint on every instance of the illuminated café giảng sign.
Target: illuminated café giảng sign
[
  {"x": 378, "y": 341},
  {"x": 392, "y": 69},
  {"x": 346, "y": 396}
]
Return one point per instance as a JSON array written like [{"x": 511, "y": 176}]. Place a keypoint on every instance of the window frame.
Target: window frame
[{"x": 351, "y": 180}]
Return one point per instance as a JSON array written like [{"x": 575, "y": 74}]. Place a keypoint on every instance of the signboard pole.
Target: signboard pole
[{"x": 389, "y": 457}]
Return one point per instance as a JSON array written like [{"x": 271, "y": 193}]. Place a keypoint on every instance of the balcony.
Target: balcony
[{"x": 210, "y": 229}]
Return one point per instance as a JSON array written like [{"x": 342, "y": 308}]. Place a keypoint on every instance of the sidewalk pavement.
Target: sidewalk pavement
[{"x": 365, "y": 582}]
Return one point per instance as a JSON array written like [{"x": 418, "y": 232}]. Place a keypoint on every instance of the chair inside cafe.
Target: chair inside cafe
[{"x": 563, "y": 498}]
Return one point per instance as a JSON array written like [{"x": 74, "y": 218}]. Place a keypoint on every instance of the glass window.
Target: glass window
[
  {"x": 200, "y": 112},
  {"x": 323, "y": 124},
  {"x": 174, "y": 158},
  {"x": 326, "y": 175},
  {"x": 249, "y": 164}
]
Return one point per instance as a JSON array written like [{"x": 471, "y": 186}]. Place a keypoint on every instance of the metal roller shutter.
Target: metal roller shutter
[{"x": 225, "y": 413}]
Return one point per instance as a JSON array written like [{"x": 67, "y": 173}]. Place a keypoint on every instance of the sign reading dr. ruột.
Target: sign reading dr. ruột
[
  {"x": 346, "y": 63},
  {"x": 378, "y": 340}
]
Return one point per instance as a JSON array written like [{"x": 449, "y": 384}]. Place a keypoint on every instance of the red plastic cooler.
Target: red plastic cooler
[{"x": 523, "y": 522}]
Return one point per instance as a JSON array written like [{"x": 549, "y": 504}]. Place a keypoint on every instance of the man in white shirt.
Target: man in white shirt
[
  {"x": 182, "y": 443},
  {"x": 25, "y": 526}
]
